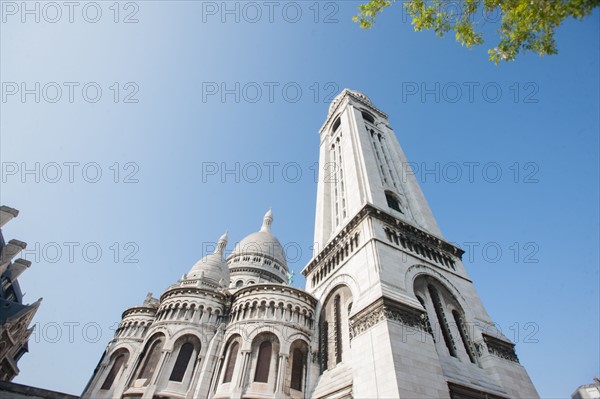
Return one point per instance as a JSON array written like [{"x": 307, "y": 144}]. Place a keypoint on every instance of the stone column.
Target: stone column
[
  {"x": 242, "y": 374},
  {"x": 216, "y": 376},
  {"x": 159, "y": 367},
  {"x": 281, "y": 372},
  {"x": 307, "y": 373},
  {"x": 122, "y": 377},
  {"x": 134, "y": 359}
]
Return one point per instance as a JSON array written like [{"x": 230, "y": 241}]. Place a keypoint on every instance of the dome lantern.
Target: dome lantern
[
  {"x": 267, "y": 221},
  {"x": 212, "y": 268}
]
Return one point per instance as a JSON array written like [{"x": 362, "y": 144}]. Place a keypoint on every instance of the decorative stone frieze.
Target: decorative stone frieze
[
  {"x": 385, "y": 309},
  {"x": 409, "y": 231},
  {"x": 500, "y": 348}
]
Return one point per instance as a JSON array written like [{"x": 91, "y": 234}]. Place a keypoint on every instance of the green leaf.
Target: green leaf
[{"x": 526, "y": 25}]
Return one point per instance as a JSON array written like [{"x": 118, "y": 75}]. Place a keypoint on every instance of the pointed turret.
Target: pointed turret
[
  {"x": 221, "y": 244},
  {"x": 213, "y": 267},
  {"x": 267, "y": 221}
]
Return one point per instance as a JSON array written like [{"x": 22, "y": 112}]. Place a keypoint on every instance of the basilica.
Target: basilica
[{"x": 389, "y": 310}]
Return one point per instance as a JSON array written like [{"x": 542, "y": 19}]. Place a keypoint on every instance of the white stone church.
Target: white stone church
[{"x": 389, "y": 310}]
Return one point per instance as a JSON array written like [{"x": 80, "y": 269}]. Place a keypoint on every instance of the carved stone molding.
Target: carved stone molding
[
  {"x": 256, "y": 270},
  {"x": 401, "y": 226},
  {"x": 500, "y": 348},
  {"x": 386, "y": 309},
  {"x": 415, "y": 233}
]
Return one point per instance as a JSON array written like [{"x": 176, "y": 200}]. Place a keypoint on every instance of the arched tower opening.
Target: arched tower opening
[{"x": 334, "y": 335}]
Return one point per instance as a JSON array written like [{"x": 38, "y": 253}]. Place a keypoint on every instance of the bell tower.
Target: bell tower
[
  {"x": 362, "y": 163},
  {"x": 399, "y": 315}
]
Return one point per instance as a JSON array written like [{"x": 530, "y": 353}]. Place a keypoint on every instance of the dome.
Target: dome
[
  {"x": 213, "y": 267},
  {"x": 262, "y": 243},
  {"x": 355, "y": 93}
]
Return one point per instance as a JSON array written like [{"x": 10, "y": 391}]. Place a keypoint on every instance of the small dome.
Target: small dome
[
  {"x": 262, "y": 243},
  {"x": 338, "y": 98},
  {"x": 213, "y": 267}
]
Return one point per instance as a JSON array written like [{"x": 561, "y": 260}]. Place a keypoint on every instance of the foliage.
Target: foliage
[{"x": 525, "y": 25}]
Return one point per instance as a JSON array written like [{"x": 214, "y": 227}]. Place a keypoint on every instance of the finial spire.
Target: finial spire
[
  {"x": 221, "y": 244},
  {"x": 267, "y": 221}
]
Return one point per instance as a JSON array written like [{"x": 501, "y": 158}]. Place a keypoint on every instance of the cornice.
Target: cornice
[
  {"x": 255, "y": 270},
  {"x": 260, "y": 288},
  {"x": 139, "y": 310},
  {"x": 370, "y": 211},
  {"x": 416, "y": 232},
  {"x": 385, "y": 309},
  {"x": 192, "y": 290},
  {"x": 500, "y": 348}
]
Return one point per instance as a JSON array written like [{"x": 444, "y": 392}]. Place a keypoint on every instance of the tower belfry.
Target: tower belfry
[
  {"x": 362, "y": 163},
  {"x": 400, "y": 316}
]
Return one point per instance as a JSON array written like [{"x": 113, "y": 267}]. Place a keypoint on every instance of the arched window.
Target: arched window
[
  {"x": 441, "y": 316},
  {"x": 336, "y": 124},
  {"x": 427, "y": 323},
  {"x": 462, "y": 330},
  {"x": 323, "y": 343},
  {"x": 231, "y": 362},
  {"x": 114, "y": 370},
  {"x": 338, "y": 329},
  {"x": 263, "y": 362},
  {"x": 393, "y": 201},
  {"x": 368, "y": 117},
  {"x": 298, "y": 360},
  {"x": 333, "y": 333},
  {"x": 151, "y": 359},
  {"x": 181, "y": 364},
  {"x": 239, "y": 284},
  {"x": 443, "y": 307}
]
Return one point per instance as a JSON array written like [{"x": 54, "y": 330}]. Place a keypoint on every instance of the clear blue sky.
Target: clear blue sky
[{"x": 540, "y": 131}]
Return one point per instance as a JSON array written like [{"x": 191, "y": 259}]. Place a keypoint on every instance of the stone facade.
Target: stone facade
[
  {"x": 15, "y": 316},
  {"x": 389, "y": 310}
]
